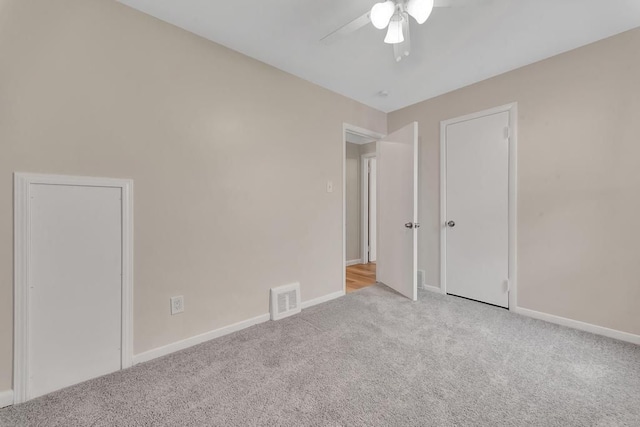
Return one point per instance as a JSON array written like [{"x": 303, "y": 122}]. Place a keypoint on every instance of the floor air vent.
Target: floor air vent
[
  {"x": 285, "y": 301},
  {"x": 421, "y": 279}
]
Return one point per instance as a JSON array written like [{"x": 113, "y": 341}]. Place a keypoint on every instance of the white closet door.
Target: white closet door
[
  {"x": 477, "y": 207},
  {"x": 75, "y": 289}
]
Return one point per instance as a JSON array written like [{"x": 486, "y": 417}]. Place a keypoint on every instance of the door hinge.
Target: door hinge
[
  {"x": 507, "y": 133},
  {"x": 508, "y": 285}
]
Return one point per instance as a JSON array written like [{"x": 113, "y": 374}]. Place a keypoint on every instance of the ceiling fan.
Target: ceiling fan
[{"x": 393, "y": 15}]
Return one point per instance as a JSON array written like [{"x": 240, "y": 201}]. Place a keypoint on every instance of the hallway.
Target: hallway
[{"x": 360, "y": 276}]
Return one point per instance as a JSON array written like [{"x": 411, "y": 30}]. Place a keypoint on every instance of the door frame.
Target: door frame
[
  {"x": 356, "y": 130},
  {"x": 512, "y": 109},
  {"x": 22, "y": 262},
  {"x": 364, "y": 192}
]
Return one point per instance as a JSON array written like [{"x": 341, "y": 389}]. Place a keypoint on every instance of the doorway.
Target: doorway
[
  {"x": 73, "y": 279},
  {"x": 362, "y": 273},
  {"x": 360, "y": 209},
  {"x": 478, "y": 178},
  {"x": 394, "y": 211}
]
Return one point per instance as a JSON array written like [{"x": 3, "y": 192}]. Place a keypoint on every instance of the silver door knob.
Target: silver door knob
[
  {"x": 451, "y": 224},
  {"x": 409, "y": 225}
]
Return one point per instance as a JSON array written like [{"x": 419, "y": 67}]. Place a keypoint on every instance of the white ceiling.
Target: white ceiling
[{"x": 456, "y": 47}]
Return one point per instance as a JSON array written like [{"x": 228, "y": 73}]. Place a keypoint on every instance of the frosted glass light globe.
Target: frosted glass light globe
[{"x": 381, "y": 13}]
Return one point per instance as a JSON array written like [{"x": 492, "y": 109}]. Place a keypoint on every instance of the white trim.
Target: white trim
[
  {"x": 513, "y": 205},
  {"x": 582, "y": 326},
  {"x": 430, "y": 288},
  {"x": 22, "y": 213},
  {"x": 6, "y": 398},
  {"x": 207, "y": 336},
  {"x": 364, "y": 202},
  {"x": 127, "y": 274},
  {"x": 217, "y": 333},
  {"x": 361, "y": 132},
  {"x": 356, "y": 130},
  {"x": 416, "y": 203},
  {"x": 512, "y": 109},
  {"x": 198, "y": 339},
  {"x": 320, "y": 300},
  {"x": 353, "y": 262},
  {"x": 20, "y": 279}
]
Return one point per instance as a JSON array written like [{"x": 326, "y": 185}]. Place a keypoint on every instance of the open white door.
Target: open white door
[{"x": 397, "y": 194}]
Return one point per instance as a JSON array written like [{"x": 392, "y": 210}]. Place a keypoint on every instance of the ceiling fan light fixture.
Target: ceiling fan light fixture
[
  {"x": 401, "y": 50},
  {"x": 381, "y": 14},
  {"x": 395, "y": 33},
  {"x": 420, "y": 9}
]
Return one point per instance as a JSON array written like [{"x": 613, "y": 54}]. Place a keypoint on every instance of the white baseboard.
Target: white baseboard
[
  {"x": 432, "y": 289},
  {"x": 320, "y": 300},
  {"x": 6, "y": 398},
  {"x": 353, "y": 262},
  {"x": 576, "y": 324},
  {"x": 198, "y": 339}
]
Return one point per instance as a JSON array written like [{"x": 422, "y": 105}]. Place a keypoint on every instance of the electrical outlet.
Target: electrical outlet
[
  {"x": 329, "y": 186},
  {"x": 177, "y": 304}
]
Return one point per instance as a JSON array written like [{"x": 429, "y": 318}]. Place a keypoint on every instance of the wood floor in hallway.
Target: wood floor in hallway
[{"x": 360, "y": 276}]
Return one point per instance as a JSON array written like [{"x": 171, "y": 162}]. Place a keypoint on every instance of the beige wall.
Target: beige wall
[
  {"x": 369, "y": 147},
  {"x": 578, "y": 179},
  {"x": 229, "y": 201}
]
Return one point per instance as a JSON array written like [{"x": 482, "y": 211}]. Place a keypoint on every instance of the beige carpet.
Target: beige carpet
[{"x": 370, "y": 358}]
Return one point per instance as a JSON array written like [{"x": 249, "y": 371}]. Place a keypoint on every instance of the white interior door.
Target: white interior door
[
  {"x": 477, "y": 209},
  {"x": 75, "y": 288},
  {"x": 397, "y": 202},
  {"x": 372, "y": 210}
]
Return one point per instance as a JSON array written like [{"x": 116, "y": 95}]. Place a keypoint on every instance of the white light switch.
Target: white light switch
[{"x": 329, "y": 186}]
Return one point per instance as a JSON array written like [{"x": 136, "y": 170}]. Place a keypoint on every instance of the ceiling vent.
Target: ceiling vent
[{"x": 285, "y": 301}]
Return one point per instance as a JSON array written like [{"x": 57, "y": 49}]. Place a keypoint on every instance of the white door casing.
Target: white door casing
[
  {"x": 373, "y": 210},
  {"x": 397, "y": 194},
  {"x": 73, "y": 280},
  {"x": 368, "y": 208},
  {"x": 478, "y": 206}
]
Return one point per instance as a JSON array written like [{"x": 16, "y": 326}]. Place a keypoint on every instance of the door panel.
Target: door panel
[
  {"x": 477, "y": 200},
  {"x": 397, "y": 185},
  {"x": 75, "y": 289}
]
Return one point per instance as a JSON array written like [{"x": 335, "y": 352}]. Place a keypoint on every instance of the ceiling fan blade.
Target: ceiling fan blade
[{"x": 347, "y": 29}]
